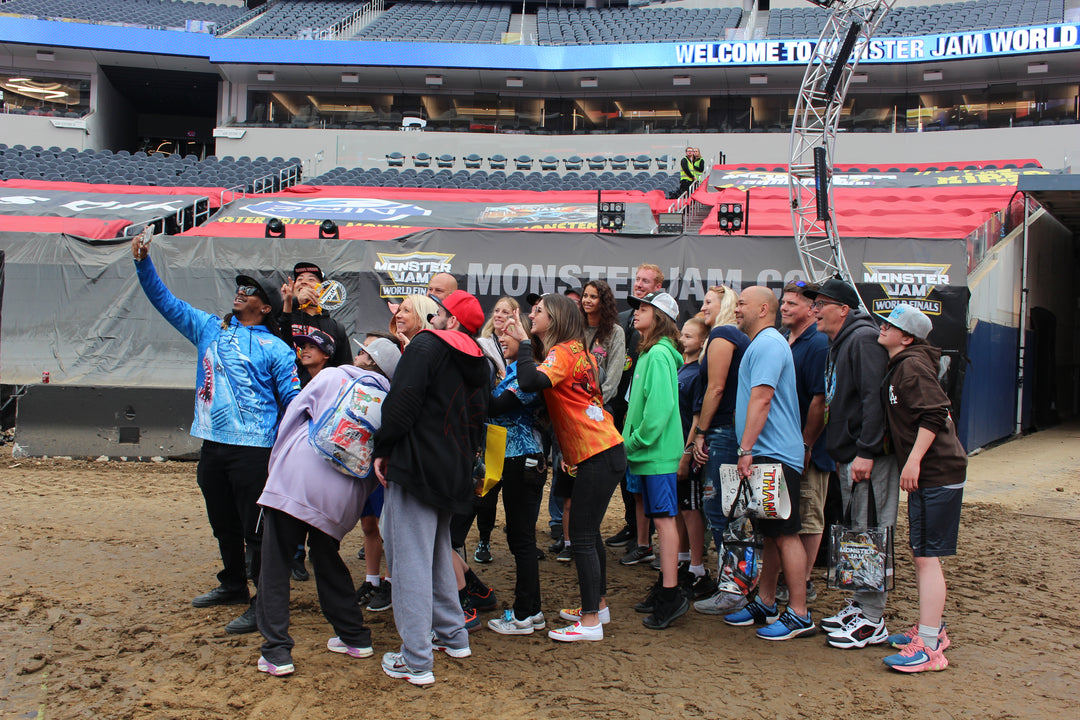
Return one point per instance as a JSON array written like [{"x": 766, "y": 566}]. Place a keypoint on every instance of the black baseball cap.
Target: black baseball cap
[
  {"x": 267, "y": 290},
  {"x": 317, "y": 338},
  {"x": 307, "y": 267},
  {"x": 836, "y": 289}
]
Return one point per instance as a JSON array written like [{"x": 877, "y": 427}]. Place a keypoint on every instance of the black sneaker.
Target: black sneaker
[
  {"x": 638, "y": 554},
  {"x": 649, "y": 603},
  {"x": 482, "y": 597},
  {"x": 671, "y": 604},
  {"x": 621, "y": 538},
  {"x": 365, "y": 592},
  {"x": 382, "y": 599},
  {"x": 556, "y": 547},
  {"x": 483, "y": 552},
  {"x": 299, "y": 571},
  {"x": 702, "y": 587},
  {"x": 362, "y": 553},
  {"x": 221, "y": 596},
  {"x": 565, "y": 555},
  {"x": 246, "y": 623}
]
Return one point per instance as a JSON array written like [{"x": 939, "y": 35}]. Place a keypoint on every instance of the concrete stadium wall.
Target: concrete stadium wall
[{"x": 1053, "y": 146}]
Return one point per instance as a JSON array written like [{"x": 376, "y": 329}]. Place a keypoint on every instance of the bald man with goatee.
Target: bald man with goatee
[{"x": 770, "y": 432}]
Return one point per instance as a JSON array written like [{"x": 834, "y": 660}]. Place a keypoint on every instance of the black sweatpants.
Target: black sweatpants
[
  {"x": 231, "y": 478},
  {"x": 333, "y": 583}
]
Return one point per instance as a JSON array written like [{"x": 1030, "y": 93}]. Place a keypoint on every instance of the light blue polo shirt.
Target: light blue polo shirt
[{"x": 767, "y": 361}]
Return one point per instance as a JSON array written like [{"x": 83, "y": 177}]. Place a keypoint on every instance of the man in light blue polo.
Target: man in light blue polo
[{"x": 769, "y": 430}]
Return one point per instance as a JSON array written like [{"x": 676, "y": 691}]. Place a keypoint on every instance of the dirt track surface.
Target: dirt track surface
[{"x": 101, "y": 561}]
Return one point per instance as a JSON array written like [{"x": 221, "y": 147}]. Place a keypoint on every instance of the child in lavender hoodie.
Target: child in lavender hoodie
[{"x": 305, "y": 494}]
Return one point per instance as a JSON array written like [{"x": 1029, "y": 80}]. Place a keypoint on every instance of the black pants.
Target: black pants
[
  {"x": 333, "y": 583},
  {"x": 597, "y": 478},
  {"x": 231, "y": 478},
  {"x": 523, "y": 490},
  {"x": 483, "y": 511}
]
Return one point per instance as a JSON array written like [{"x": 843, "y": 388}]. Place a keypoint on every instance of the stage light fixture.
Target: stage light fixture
[
  {"x": 842, "y": 56},
  {"x": 328, "y": 230},
  {"x": 821, "y": 182},
  {"x": 731, "y": 216},
  {"x": 610, "y": 215},
  {"x": 275, "y": 228}
]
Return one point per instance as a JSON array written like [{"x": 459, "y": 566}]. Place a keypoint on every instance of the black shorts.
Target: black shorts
[
  {"x": 562, "y": 483},
  {"x": 791, "y": 526},
  {"x": 690, "y": 491},
  {"x": 934, "y": 520}
]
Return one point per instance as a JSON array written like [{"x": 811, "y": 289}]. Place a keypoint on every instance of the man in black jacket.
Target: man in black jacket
[
  {"x": 432, "y": 425},
  {"x": 854, "y": 437},
  {"x": 301, "y": 314}
]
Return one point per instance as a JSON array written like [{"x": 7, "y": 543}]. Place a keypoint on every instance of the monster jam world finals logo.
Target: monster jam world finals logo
[
  {"x": 410, "y": 273},
  {"x": 907, "y": 284}
]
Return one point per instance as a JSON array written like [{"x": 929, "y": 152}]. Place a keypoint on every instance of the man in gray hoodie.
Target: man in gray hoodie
[{"x": 854, "y": 436}]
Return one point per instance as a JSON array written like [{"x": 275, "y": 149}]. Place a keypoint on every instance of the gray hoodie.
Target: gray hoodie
[
  {"x": 856, "y": 366},
  {"x": 301, "y": 483}
]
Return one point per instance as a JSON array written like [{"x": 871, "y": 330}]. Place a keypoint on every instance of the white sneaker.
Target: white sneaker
[
  {"x": 858, "y": 633},
  {"x": 842, "y": 618},
  {"x": 335, "y": 645},
  {"x": 574, "y": 615},
  {"x": 394, "y": 665},
  {"x": 441, "y": 646},
  {"x": 576, "y": 632},
  {"x": 508, "y": 624}
]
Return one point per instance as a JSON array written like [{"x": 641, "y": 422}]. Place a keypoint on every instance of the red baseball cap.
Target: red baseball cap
[{"x": 465, "y": 308}]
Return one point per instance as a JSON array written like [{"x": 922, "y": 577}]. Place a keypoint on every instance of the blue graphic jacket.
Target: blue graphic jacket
[{"x": 245, "y": 376}]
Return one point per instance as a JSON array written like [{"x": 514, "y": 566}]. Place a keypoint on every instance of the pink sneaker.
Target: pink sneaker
[
  {"x": 900, "y": 640},
  {"x": 335, "y": 645},
  {"x": 916, "y": 657},
  {"x": 270, "y": 668}
]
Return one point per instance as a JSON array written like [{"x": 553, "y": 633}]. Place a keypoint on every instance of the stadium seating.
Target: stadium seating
[
  {"x": 441, "y": 22},
  {"x": 293, "y": 18},
  {"x": 149, "y": 13},
  {"x": 498, "y": 180},
  {"x": 122, "y": 168},
  {"x": 568, "y": 26},
  {"x": 926, "y": 19}
]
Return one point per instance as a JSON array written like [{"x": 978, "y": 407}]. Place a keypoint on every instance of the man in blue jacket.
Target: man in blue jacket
[{"x": 245, "y": 377}]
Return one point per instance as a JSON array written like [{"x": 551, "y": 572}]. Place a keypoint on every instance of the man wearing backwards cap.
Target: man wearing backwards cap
[
  {"x": 854, "y": 437},
  {"x": 432, "y": 429},
  {"x": 301, "y": 314},
  {"x": 241, "y": 364},
  {"x": 935, "y": 470}
]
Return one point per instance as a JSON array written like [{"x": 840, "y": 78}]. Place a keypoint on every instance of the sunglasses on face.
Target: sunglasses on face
[{"x": 247, "y": 290}]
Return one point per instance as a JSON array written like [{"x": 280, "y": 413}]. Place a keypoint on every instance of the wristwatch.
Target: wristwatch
[{"x": 740, "y": 452}]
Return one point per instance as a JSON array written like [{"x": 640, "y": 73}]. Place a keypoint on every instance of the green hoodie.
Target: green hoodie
[{"x": 653, "y": 429}]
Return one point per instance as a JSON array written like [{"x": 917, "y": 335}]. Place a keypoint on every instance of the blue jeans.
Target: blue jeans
[{"x": 723, "y": 450}]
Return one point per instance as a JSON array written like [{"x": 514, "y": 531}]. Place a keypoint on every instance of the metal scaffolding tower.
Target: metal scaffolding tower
[{"x": 846, "y": 34}]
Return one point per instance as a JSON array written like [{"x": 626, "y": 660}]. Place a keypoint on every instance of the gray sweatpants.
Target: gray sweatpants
[
  {"x": 886, "y": 479},
  {"x": 416, "y": 538}
]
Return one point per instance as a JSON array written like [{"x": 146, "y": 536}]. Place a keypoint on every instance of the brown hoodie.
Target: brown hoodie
[{"x": 913, "y": 398}]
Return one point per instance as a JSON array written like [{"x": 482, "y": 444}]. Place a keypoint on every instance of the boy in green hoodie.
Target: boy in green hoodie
[{"x": 654, "y": 444}]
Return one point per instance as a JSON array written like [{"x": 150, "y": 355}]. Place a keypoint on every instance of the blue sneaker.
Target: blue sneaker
[
  {"x": 916, "y": 657},
  {"x": 788, "y": 626},
  {"x": 755, "y": 613}
]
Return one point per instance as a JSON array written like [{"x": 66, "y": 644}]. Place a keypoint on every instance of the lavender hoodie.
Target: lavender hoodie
[{"x": 301, "y": 483}]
